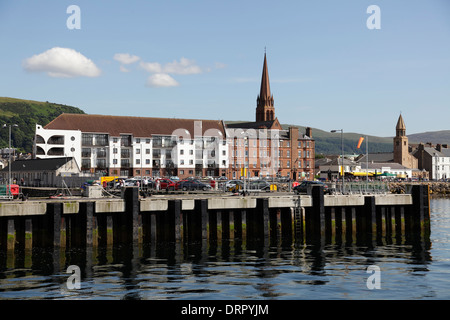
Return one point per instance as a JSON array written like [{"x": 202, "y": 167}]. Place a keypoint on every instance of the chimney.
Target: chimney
[
  {"x": 309, "y": 132},
  {"x": 439, "y": 147},
  {"x": 445, "y": 146}
]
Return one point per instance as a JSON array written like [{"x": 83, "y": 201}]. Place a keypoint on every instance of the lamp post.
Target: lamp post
[
  {"x": 342, "y": 154},
  {"x": 9, "y": 158}
]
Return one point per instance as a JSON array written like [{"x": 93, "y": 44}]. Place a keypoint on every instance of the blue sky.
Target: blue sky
[{"x": 203, "y": 60}]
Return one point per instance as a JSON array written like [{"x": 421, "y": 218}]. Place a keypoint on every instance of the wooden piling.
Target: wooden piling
[{"x": 315, "y": 216}]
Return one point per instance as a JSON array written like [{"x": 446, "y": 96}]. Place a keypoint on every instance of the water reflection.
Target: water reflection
[{"x": 236, "y": 269}]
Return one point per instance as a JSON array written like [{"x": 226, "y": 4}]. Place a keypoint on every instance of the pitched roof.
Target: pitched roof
[
  {"x": 49, "y": 164},
  {"x": 379, "y": 165},
  {"x": 269, "y": 124},
  {"x": 377, "y": 157},
  {"x": 137, "y": 126}
]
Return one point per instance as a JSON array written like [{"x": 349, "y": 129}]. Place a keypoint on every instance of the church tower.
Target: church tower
[
  {"x": 400, "y": 142},
  {"x": 265, "y": 110},
  {"x": 401, "y": 147}
]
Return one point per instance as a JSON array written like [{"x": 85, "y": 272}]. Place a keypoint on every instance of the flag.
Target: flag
[{"x": 359, "y": 142}]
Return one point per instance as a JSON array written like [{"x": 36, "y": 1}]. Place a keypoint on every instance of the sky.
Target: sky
[{"x": 332, "y": 64}]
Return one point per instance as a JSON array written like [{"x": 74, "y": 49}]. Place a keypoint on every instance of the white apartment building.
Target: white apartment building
[{"x": 136, "y": 146}]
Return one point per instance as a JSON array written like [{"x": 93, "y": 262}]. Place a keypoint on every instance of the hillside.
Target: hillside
[
  {"x": 330, "y": 143},
  {"x": 434, "y": 137},
  {"x": 26, "y": 113}
]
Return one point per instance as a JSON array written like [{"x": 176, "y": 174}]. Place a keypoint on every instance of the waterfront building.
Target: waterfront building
[
  {"x": 41, "y": 172},
  {"x": 136, "y": 146},
  {"x": 435, "y": 160}
]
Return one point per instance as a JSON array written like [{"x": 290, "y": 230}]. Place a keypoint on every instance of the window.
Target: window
[
  {"x": 138, "y": 151},
  {"x": 147, "y": 151},
  {"x": 114, "y": 161},
  {"x": 115, "y": 140},
  {"x": 101, "y": 163},
  {"x": 191, "y": 162},
  {"x": 147, "y": 140},
  {"x": 86, "y": 152},
  {"x": 299, "y": 153},
  {"x": 87, "y": 139},
  {"x": 191, "y": 152},
  {"x": 147, "y": 161},
  {"x": 181, "y": 151},
  {"x": 138, "y": 161},
  {"x": 224, "y": 152},
  {"x": 181, "y": 172},
  {"x": 85, "y": 163},
  {"x": 138, "y": 140},
  {"x": 288, "y": 153},
  {"x": 115, "y": 150},
  {"x": 101, "y": 139},
  {"x": 288, "y": 164},
  {"x": 181, "y": 162},
  {"x": 156, "y": 153}
]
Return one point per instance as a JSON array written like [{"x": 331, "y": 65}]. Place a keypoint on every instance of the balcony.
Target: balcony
[
  {"x": 125, "y": 163},
  {"x": 56, "y": 140},
  {"x": 125, "y": 153}
]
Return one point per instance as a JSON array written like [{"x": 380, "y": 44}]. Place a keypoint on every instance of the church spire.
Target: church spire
[
  {"x": 401, "y": 127},
  {"x": 265, "y": 110}
]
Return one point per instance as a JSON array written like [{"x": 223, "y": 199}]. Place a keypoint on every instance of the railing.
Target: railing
[{"x": 373, "y": 187}]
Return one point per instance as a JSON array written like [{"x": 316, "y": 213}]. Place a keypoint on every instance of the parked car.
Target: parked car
[
  {"x": 192, "y": 185},
  {"x": 164, "y": 183},
  {"x": 258, "y": 185},
  {"x": 306, "y": 186},
  {"x": 130, "y": 182},
  {"x": 233, "y": 185}
]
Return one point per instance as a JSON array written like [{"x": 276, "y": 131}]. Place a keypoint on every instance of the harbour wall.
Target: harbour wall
[{"x": 190, "y": 218}]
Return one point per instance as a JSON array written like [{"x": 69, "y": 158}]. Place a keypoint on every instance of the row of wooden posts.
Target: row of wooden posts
[{"x": 304, "y": 224}]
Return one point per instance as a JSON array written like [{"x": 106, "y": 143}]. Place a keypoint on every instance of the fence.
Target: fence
[{"x": 372, "y": 187}]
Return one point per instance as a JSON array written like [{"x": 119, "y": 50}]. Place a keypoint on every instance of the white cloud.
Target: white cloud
[
  {"x": 152, "y": 67},
  {"x": 161, "y": 80},
  {"x": 62, "y": 63},
  {"x": 126, "y": 58},
  {"x": 184, "y": 66}
]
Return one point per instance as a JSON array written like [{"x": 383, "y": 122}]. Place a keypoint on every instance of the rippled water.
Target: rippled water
[{"x": 236, "y": 270}]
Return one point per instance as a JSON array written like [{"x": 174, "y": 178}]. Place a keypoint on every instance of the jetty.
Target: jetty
[{"x": 312, "y": 218}]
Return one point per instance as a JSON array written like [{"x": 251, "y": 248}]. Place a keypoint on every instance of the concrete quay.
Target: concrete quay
[{"x": 212, "y": 217}]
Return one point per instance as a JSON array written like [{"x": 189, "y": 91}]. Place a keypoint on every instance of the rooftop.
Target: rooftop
[{"x": 137, "y": 126}]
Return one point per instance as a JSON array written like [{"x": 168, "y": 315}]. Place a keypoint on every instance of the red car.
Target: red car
[{"x": 164, "y": 183}]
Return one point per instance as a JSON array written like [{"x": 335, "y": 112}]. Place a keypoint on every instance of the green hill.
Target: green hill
[
  {"x": 26, "y": 114},
  {"x": 330, "y": 143}
]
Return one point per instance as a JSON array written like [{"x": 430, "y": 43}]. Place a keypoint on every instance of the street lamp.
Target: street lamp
[
  {"x": 342, "y": 154},
  {"x": 9, "y": 158}
]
